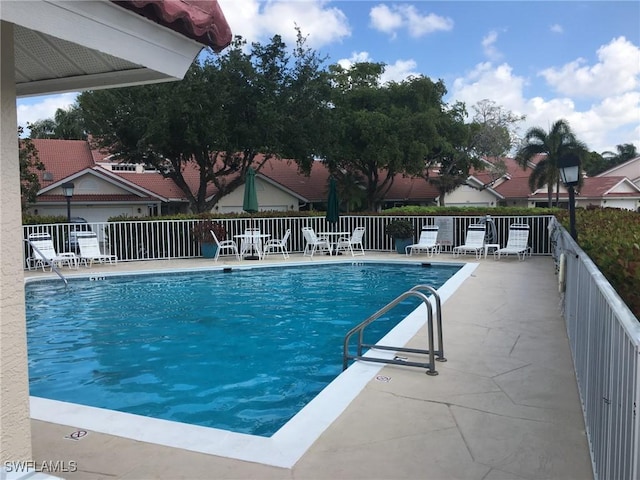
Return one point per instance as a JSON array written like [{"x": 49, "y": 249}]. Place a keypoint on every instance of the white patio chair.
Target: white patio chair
[
  {"x": 517, "y": 243},
  {"x": 276, "y": 244},
  {"x": 354, "y": 241},
  {"x": 226, "y": 246},
  {"x": 428, "y": 241},
  {"x": 313, "y": 243},
  {"x": 44, "y": 253},
  {"x": 474, "y": 242},
  {"x": 251, "y": 242},
  {"x": 90, "y": 249}
]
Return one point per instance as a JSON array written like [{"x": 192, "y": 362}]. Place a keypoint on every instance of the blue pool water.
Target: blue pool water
[{"x": 242, "y": 351}]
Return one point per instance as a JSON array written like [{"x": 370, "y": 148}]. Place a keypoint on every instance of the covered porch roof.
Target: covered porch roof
[{"x": 78, "y": 45}]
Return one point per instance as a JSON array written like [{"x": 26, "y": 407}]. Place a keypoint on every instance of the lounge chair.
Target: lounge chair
[
  {"x": 90, "y": 250},
  {"x": 517, "y": 243},
  {"x": 354, "y": 241},
  {"x": 276, "y": 244},
  {"x": 474, "y": 242},
  {"x": 225, "y": 245},
  {"x": 428, "y": 242},
  {"x": 44, "y": 253},
  {"x": 313, "y": 243}
]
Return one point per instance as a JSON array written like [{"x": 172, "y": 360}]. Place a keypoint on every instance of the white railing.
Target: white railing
[
  {"x": 170, "y": 239},
  {"x": 605, "y": 342}
]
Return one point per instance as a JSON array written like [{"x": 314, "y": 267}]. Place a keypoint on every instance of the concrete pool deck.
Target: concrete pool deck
[{"x": 504, "y": 406}]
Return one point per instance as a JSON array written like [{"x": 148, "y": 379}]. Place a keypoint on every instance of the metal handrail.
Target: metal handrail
[
  {"x": 430, "y": 365},
  {"x": 440, "y": 351},
  {"x": 47, "y": 261}
]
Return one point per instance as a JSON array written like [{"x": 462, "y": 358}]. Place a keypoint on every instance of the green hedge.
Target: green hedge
[{"x": 611, "y": 238}]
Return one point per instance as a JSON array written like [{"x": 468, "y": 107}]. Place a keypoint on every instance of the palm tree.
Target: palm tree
[
  {"x": 625, "y": 151},
  {"x": 559, "y": 141}
]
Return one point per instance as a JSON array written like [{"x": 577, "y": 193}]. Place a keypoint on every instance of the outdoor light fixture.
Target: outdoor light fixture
[
  {"x": 569, "y": 166},
  {"x": 67, "y": 189}
]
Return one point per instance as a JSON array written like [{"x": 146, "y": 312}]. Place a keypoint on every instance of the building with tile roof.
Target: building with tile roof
[
  {"x": 105, "y": 189},
  {"x": 629, "y": 169}
]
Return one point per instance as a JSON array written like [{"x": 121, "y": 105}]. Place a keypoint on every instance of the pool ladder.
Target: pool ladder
[{"x": 431, "y": 352}]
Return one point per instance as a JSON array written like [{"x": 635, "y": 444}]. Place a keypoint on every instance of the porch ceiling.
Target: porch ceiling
[{"x": 73, "y": 46}]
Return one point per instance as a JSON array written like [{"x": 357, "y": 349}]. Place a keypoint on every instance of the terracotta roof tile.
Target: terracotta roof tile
[
  {"x": 312, "y": 188},
  {"x": 155, "y": 183},
  {"x": 62, "y": 158},
  {"x": 200, "y": 20}
]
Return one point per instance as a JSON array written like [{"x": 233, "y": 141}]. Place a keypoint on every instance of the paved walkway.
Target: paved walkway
[{"x": 504, "y": 406}]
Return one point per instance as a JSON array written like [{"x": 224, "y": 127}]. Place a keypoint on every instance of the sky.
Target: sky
[{"x": 547, "y": 60}]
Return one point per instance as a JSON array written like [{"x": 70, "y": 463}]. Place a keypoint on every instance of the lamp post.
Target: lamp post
[
  {"x": 67, "y": 189},
  {"x": 569, "y": 166}
]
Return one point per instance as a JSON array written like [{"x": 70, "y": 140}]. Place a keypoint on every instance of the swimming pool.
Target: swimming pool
[{"x": 111, "y": 370}]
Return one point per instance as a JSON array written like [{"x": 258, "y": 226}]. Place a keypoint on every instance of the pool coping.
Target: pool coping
[{"x": 290, "y": 442}]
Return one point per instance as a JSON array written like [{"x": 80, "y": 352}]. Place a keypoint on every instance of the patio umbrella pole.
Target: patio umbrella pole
[{"x": 333, "y": 207}]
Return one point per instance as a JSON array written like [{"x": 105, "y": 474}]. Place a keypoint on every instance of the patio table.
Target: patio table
[
  {"x": 252, "y": 244},
  {"x": 332, "y": 238}
]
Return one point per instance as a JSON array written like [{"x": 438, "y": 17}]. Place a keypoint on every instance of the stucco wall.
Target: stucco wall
[
  {"x": 269, "y": 198},
  {"x": 93, "y": 213},
  {"x": 631, "y": 170},
  {"x": 469, "y": 196},
  {"x": 15, "y": 428}
]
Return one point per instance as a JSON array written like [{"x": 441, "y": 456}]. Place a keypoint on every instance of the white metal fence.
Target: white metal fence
[
  {"x": 169, "y": 239},
  {"x": 605, "y": 343}
]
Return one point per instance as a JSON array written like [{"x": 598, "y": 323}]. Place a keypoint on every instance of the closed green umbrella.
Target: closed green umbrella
[
  {"x": 333, "y": 204},
  {"x": 250, "y": 202}
]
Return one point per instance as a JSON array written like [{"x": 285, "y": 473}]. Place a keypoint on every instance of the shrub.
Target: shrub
[
  {"x": 399, "y": 229},
  {"x": 201, "y": 231},
  {"x": 611, "y": 238}
]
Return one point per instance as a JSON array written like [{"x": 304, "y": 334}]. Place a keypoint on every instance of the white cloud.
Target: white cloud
[
  {"x": 495, "y": 83},
  {"x": 399, "y": 71},
  {"x": 384, "y": 20},
  {"x": 556, "y": 28},
  {"x": 356, "y": 57},
  {"x": 390, "y": 20},
  {"x": 258, "y": 21},
  {"x": 489, "y": 46},
  {"x": 617, "y": 71},
  {"x": 602, "y": 126},
  {"x": 32, "y": 109},
  {"x": 420, "y": 25}
]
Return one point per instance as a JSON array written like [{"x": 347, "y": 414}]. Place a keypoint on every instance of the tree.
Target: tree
[
  {"x": 594, "y": 163},
  {"x": 42, "y": 128},
  {"x": 70, "y": 124},
  {"x": 452, "y": 157},
  {"x": 66, "y": 125},
  {"x": 559, "y": 141},
  {"x": 494, "y": 133},
  {"x": 29, "y": 160},
  {"x": 625, "y": 152},
  {"x": 230, "y": 112},
  {"x": 380, "y": 131},
  {"x": 351, "y": 190},
  {"x": 496, "y": 129}
]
